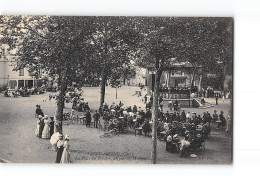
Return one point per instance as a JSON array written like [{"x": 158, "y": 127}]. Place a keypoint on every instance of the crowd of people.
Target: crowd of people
[
  {"x": 45, "y": 130},
  {"x": 184, "y": 132}
]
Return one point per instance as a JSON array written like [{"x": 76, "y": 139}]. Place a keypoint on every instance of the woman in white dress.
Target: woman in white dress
[
  {"x": 65, "y": 158},
  {"x": 46, "y": 129},
  {"x": 38, "y": 126}
]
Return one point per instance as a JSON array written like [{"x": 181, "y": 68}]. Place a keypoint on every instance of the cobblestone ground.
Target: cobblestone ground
[{"x": 19, "y": 143}]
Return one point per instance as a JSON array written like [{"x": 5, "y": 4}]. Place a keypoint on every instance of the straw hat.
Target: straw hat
[
  {"x": 46, "y": 117},
  {"x": 176, "y": 135},
  {"x": 40, "y": 116}
]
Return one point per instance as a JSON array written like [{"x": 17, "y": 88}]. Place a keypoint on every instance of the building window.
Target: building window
[{"x": 21, "y": 72}]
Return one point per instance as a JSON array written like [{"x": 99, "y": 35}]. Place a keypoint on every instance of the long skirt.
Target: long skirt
[
  {"x": 46, "y": 132},
  {"x": 37, "y": 130},
  {"x": 65, "y": 158},
  {"x": 40, "y": 130},
  {"x": 59, "y": 154},
  {"x": 169, "y": 147},
  {"x": 51, "y": 129}
]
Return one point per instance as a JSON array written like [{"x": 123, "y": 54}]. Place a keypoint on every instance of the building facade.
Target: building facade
[{"x": 16, "y": 79}]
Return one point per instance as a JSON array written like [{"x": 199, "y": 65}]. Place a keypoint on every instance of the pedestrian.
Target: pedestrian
[
  {"x": 60, "y": 148},
  {"x": 215, "y": 116},
  {"x": 145, "y": 98},
  {"x": 86, "y": 106},
  {"x": 46, "y": 129},
  {"x": 38, "y": 126},
  {"x": 96, "y": 117},
  {"x": 222, "y": 120},
  {"x": 183, "y": 116},
  {"x": 38, "y": 111},
  {"x": 65, "y": 158},
  {"x": 41, "y": 123},
  {"x": 216, "y": 100},
  {"x": 223, "y": 98},
  {"x": 135, "y": 109},
  {"x": 88, "y": 118},
  {"x": 170, "y": 105},
  {"x": 148, "y": 114},
  {"x": 188, "y": 117},
  {"x": 51, "y": 126},
  {"x": 228, "y": 129}
]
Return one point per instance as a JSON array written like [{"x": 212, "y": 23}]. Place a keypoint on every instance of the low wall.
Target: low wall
[{"x": 184, "y": 103}]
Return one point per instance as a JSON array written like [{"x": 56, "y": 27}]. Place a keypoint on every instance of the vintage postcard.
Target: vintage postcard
[{"x": 116, "y": 90}]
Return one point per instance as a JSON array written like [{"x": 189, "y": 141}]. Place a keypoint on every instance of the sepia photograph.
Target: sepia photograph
[{"x": 116, "y": 89}]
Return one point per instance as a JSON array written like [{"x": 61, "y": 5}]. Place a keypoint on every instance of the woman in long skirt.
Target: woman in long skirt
[
  {"x": 60, "y": 148},
  {"x": 38, "y": 126},
  {"x": 51, "y": 126},
  {"x": 46, "y": 129},
  {"x": 65, "y": 158}
]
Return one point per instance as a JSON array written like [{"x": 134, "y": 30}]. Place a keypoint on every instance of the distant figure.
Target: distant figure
[
  {"x": 170, "y": 105},
  {"x": 223, "y": 98},
  {"x": 216, "y": 100},
  {"x": 228, "y": 129},
  {"x": 46, "y": 129},
  {"x": 222, "y": 120},
  {"x": 60, "y": 148},
  {"x": 215, "y": 116},
  {"x": 88, "y": 118},
  {"x": 41, "y": 123},
  {"x": 38, "y": 111},
  {"x": 51, "y": 126},
  {"x": 96, "y": 117},
  {"x": 38, "y": 126},
  {"x": 145, "y": 98},
  {"x": 65, "y": 158},
  {"x": 135, "y": 109}
]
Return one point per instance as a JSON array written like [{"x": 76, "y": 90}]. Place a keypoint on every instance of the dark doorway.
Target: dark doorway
[
  {"x": 29, "y": 83},
  {"x": 20, "y": 83}
]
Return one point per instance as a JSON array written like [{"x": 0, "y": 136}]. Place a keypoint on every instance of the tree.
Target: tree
[
  {"x": 114, "y": 40},
  {"x": 200, "y": 40},
  {"x": 56, "y": 45}
]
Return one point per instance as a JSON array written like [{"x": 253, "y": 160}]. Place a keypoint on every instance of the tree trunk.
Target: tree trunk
[
  {"x": 60, "y": 103},
  {"x": 155, "y": 118},
  {"x": 103, "y": 89}
]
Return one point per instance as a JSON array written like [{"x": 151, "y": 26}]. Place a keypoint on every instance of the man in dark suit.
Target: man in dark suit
[
  {"x": 96, "y": 117},
  {"x": 88, "y": 118}
]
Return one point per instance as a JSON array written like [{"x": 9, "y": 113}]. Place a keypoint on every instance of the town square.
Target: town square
[{"x": 123, "y": 90}]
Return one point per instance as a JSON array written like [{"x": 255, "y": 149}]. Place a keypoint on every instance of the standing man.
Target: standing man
[
  {"x": 88, "y": 118},
  {"x": 145, "y": 98},
  {"x": 38, "y": 111},
  {"x": 96, "y": 117},
  {"x": 216, "y": 100},
  {"x": 148, "y": 114}
]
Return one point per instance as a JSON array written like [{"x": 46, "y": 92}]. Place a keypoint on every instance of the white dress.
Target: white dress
[
  {"x": 65, "y": 158},
  {"x": 46, "y": 130},
  {"x": 37, "y": 128}
]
